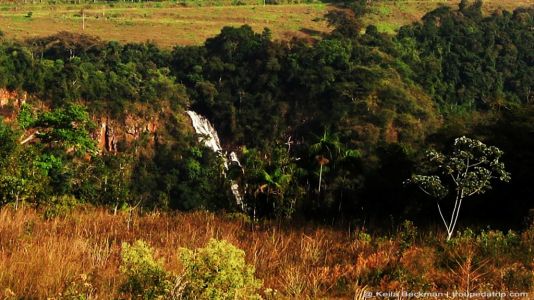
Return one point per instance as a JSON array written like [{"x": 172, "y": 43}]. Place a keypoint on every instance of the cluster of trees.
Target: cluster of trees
[
  {"x": 35, "y": 171},
  {"x": 67, "y": 67},
  {"x": 466, "y": 60},
  {"x": 326, "y": 130},
  {"x": 49, "y": 157}
]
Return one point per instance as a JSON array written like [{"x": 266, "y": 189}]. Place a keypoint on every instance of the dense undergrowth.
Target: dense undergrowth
[
  {"x": 326, "y": 131},
  {"x": 90, "y": 253}
]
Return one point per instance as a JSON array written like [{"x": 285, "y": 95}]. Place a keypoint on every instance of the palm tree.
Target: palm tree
[
  {"x": 327, "y": 148},
  {"x": 322, "y": 161},
  {"x": 275, "y": 183}
]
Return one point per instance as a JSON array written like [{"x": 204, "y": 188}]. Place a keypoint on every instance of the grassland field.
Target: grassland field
[
  {"x": 171, "y": 23},
  {"x": 42, "y": 258}
]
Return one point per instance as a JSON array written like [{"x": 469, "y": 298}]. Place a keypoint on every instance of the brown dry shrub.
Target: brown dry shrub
[{"x": 418, "y": 260}]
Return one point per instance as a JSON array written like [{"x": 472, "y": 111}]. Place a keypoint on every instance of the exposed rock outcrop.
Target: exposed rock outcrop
[
  {"x": 113, "y": 135},
  {"x": 11, "y": 102}
]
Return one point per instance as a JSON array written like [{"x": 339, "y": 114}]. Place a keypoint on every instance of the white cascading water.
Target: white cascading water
[{"x": 209, "y": 137}]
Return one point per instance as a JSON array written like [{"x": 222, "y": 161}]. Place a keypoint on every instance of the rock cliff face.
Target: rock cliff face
[
  {"x": 10, "y": 103},
  {"x": 111, "y": 134},
  {"x": 114, "y": 135}
]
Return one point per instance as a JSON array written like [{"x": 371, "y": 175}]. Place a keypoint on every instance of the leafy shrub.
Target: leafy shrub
[
  {"x": 463, "y": 238},
  {"x": 407, "y": 234},
  {"x": 218, "y": 271},
  {"x": 496, "y": 243},
  {"x": 79, "y": 289},
  {"x": 238, "y": 217},
  {"x": 145, "y": 276},
  {"x": 60, "y": 206}
]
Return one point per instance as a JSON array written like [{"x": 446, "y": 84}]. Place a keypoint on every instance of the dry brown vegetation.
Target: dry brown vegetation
[{"x": 41, "y": 258}]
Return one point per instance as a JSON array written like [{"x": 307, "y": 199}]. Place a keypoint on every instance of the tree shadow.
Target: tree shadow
[{"x": 313, "y": 32}]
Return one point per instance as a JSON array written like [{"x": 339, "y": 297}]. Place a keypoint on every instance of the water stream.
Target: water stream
[{"x": 209, "y": 137}]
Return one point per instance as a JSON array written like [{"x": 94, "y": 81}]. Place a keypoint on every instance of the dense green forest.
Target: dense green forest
[{"x": 328, "y": 130}]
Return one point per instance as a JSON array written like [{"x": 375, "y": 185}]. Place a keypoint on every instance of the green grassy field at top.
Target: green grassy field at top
[
  {"x": 167, "y": 25},
  {"x": 388, "y": 16},
  {"x": 190, "y": 22}
]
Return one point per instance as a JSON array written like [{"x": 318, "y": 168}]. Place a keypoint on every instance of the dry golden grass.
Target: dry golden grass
[
  {"x": 169, "y": 24},
  {"x": 39, "y": 258}
]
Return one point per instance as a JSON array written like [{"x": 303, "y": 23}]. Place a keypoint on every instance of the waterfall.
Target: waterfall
[
  {"x": 208, "y": 134},
  {"x": 209, "y": 137}
]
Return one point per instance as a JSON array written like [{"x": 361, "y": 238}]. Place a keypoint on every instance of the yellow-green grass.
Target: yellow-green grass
[
  {"x": 169, "y": 24},
  {"x": 166, "y": 26},
  {"x": 389, "y": 16}
]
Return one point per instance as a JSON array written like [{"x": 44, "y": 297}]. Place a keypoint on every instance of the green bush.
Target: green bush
[
  {"x": 80, "y": 288},
  {"x": 497, "y": 244},
  {"x": 145, "y": 276},
  {"x": 407, "y": 234},
  {"x": 59, "y": 206},
  {"x": 218, "y": 271}
]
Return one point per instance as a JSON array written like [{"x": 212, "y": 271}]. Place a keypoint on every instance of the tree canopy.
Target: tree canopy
[{"x": 328, "y": 129}]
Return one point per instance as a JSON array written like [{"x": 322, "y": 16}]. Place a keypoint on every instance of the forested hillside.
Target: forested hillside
[
  {"x": 328, "y": 130},
  {"x": 339, "y": 158}
]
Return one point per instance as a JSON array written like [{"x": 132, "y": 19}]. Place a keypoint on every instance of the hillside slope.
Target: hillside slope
[{"x": 170, "y": 24}]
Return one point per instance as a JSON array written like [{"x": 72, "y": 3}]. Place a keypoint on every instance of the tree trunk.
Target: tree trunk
[
  {"x": 320, "y": 177},
  {"x": 28, "y": 139}
]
